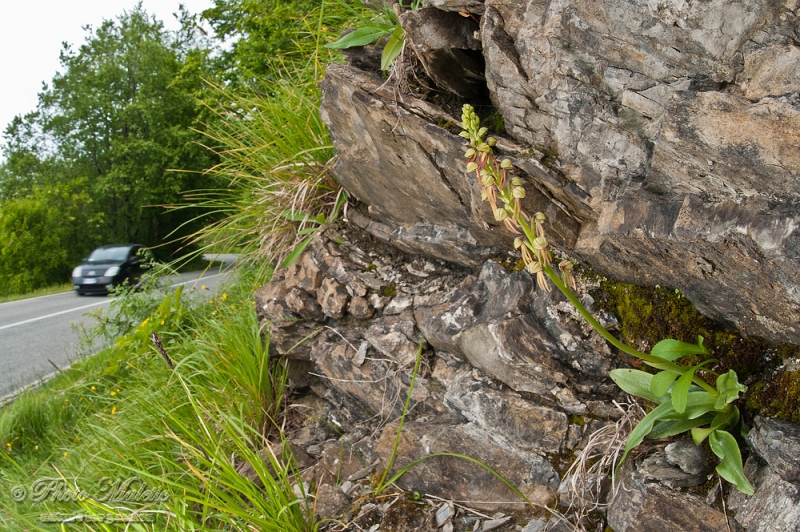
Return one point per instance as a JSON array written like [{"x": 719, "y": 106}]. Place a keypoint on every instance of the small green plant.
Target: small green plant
[
  {"x": 373, "y": 28},
  {"x": 685, "y": 401}
]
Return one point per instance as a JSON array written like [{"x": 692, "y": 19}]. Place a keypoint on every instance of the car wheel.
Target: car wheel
[{"x": 80, "y": 293}]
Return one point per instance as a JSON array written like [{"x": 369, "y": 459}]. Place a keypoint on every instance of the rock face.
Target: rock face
[
  {"x": 661, "y": 138},
  {"x": 508, "y": 376}
]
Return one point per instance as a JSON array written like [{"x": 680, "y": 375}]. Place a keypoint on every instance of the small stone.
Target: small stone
[
  {"x": 360, "y": 308},
  {"x": 657, "y": 467},
  {"x": 332, "y": 297},
  {"x": 304, "y": 274},
  {"x": 687, "y": 456},
  {"x": 416, "y": 272},
  {"x": 378, "y": 302},
  {"x": 330, "y": 502},
  {"x": 448, "y": 527},
  {"x": 494, "y": 524},
  {"x": 444, "y": 513},
  {"x": 535, "y": 525},
  {"x": 361, "y": 354},
  {"x": 346, "y": 487},
  {"x": 398, "y": 305},
  {"x": 302, "y": 303},
  {"x": 358, "y": 475}
]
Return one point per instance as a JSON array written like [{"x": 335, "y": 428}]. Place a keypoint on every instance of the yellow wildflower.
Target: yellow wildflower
[
  {"x": 145, "y": 322},
  {"x": 93, "y": 388},
  {"x": 224, "y": 296},
  {"x": 35, "y": 447},
  {"x": 113, "y": 394},
  {"x": 113, "y": 410},
  {"x": 203, "y": 287}
]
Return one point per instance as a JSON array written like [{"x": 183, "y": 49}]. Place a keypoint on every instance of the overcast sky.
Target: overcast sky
[{"x": 31, "y": 33}]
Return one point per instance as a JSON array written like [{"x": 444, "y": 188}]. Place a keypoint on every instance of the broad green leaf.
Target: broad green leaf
[
  {"x": 295, "y": 216},
  {"x": 644, "y": 427},
  {"x": 730, "y": 466},
  {"x": 360, "y": 37},
  {"x": 698, "y": 403},
  {"x": 341, "y": 199},
  {"x": 680, "y": 392},
  {"x": 661, "y": 382},
  {"x": 296, "y": 252},
  {"x": 307, "y": 231},
  {"x": 673, "y": 349},
  {"x": 700, "y": 434},
  {"x": 729, "y": 388},
  {"x": 671, "y": 427},
  {"x": 393, "y": 48},
  {"x": 635, "y": 382}
]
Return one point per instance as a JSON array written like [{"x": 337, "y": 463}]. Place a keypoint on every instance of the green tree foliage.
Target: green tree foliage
[
  {"x": 258, "y": 31},
  {"x": 43, "y": 234},
  {"x": 119, "y": 118},
  {"x": 121, "y": 114}
]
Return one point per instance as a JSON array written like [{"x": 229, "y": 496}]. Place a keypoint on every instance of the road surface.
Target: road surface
[{"x": 37, "y": 335}]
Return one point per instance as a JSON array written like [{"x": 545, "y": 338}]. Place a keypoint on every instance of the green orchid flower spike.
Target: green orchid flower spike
[{"x": 684, "y": 402}]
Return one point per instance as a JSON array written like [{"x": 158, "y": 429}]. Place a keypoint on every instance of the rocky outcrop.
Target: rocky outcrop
[
  {"x": 661, "y": 140},
  {"x": 660, "y": 137},
  {"x": 509, "y": 376}
]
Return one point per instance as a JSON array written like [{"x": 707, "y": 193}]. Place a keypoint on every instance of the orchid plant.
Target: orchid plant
[{"x": 685, "y": 401}]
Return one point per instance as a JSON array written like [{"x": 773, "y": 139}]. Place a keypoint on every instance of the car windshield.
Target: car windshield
[{"x": 109, "y": 254}]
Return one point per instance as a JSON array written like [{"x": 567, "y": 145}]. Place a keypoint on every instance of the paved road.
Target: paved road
[{"x": 36, "y": 333}]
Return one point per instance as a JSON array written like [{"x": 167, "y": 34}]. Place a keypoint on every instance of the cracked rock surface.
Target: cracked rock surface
[{"x": 661, "y": 139}]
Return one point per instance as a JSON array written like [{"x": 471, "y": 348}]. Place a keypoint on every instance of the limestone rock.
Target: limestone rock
[
  {"x": 641, "y": 506},
  {"x": 775, "y": 507},
  {"x": 332, "y": 297},
  {"x": 777, "y": 442},
  {"x": 446, "y": 46},
  {"x": 504, "y": 414},
  {"x": 374, "y": 383},
  {"x": 458, "y": 479},
  {"x": 360, "y": 308},
  {"x": 516, "y": 335},
  {"x": 475, "y": 7},
  {"x": 660, "y": 139}
]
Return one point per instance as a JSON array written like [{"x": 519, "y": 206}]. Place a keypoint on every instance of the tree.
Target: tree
[
  {"x": 44, "y": 235},
  {"x": 120, "y": 115},
  {"x": 258, "y": 33}
]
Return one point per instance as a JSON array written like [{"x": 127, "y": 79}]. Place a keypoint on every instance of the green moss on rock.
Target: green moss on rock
[{"x": 648, "y": 315}]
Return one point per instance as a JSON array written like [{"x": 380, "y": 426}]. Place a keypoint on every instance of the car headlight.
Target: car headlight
[
  {"x": 76, "y": 272},
  {"x": 111, "y": 272}
]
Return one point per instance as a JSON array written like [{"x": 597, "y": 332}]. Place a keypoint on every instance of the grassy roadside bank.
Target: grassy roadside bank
[{"x": 167, "y": 423}]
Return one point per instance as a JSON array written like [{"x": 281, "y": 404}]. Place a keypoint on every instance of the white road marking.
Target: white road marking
[{"x": 93, "y": 305}]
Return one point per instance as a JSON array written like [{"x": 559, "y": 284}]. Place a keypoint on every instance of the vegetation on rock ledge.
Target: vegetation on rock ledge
[{"x": 647, "y": 314}]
